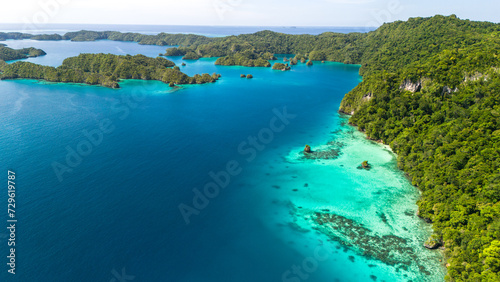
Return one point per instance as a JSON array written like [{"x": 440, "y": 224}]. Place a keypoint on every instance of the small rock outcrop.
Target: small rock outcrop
[
  {"x": 307, "y": 149},
  {"x": 243, "y": 75},
  {"x": 364, "y": 165},
  {"x": 433, "y": 242},
  {"x": 475, "y": 77},
  {"x": 329, "y": 152},
  {"x": 411, "y": 86},
  {"x": 367, "y": 96},
  {"x": 448, "y": 90},
  {"x": 280, "y": 66}
]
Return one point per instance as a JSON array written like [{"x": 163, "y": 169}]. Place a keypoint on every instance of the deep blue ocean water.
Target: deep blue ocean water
[{"x": 117, "y": 211}]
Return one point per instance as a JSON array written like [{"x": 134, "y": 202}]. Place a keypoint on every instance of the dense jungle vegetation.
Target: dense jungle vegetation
[
  {"x": 431, "y": 90},
  {"x": 8, "y": 54},
  {"x": 105, "y": 70}
]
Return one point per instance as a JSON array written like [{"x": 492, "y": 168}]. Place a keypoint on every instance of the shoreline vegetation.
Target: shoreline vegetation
[
  {"x": 106, "y": 70},
  {"x": 430, "y": 90},
  {"x": 9, "y": 54}
]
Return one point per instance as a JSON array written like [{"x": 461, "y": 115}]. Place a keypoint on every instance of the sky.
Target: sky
[{"x": 352, "y": 13}]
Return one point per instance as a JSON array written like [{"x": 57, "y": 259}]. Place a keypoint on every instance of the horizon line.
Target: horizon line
[{"x": 195, "y": 25}]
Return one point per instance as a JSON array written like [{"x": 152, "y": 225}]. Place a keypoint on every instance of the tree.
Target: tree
[{"x": 491, "y": 257}]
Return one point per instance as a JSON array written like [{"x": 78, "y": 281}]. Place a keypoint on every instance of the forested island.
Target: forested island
[
  {"x": 280, "y": 66},
  {"x": 431, "y": 90},
  {"x": 105, "y": 70},
  {"x": 8, "y": 54}
]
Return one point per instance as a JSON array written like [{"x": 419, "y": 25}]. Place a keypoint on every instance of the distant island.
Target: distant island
[
  {"x": 430, "y": 89},
  {"x": 244, "y": 50}
]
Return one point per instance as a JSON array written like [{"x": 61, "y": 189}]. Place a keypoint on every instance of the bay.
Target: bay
[{"x": 117, "y": 211}]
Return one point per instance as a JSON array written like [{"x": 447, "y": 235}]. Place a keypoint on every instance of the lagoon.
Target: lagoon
[{"x": 117, "y": 210}]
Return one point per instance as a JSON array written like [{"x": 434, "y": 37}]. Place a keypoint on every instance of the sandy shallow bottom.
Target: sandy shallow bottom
[{"x": 365, "y": 220}]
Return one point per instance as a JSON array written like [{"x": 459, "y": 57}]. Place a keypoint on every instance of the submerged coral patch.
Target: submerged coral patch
[{"x": 389, "y": 249}]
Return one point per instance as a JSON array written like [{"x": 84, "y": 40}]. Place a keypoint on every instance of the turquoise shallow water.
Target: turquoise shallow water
[{"x": 119, "y": 208}]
